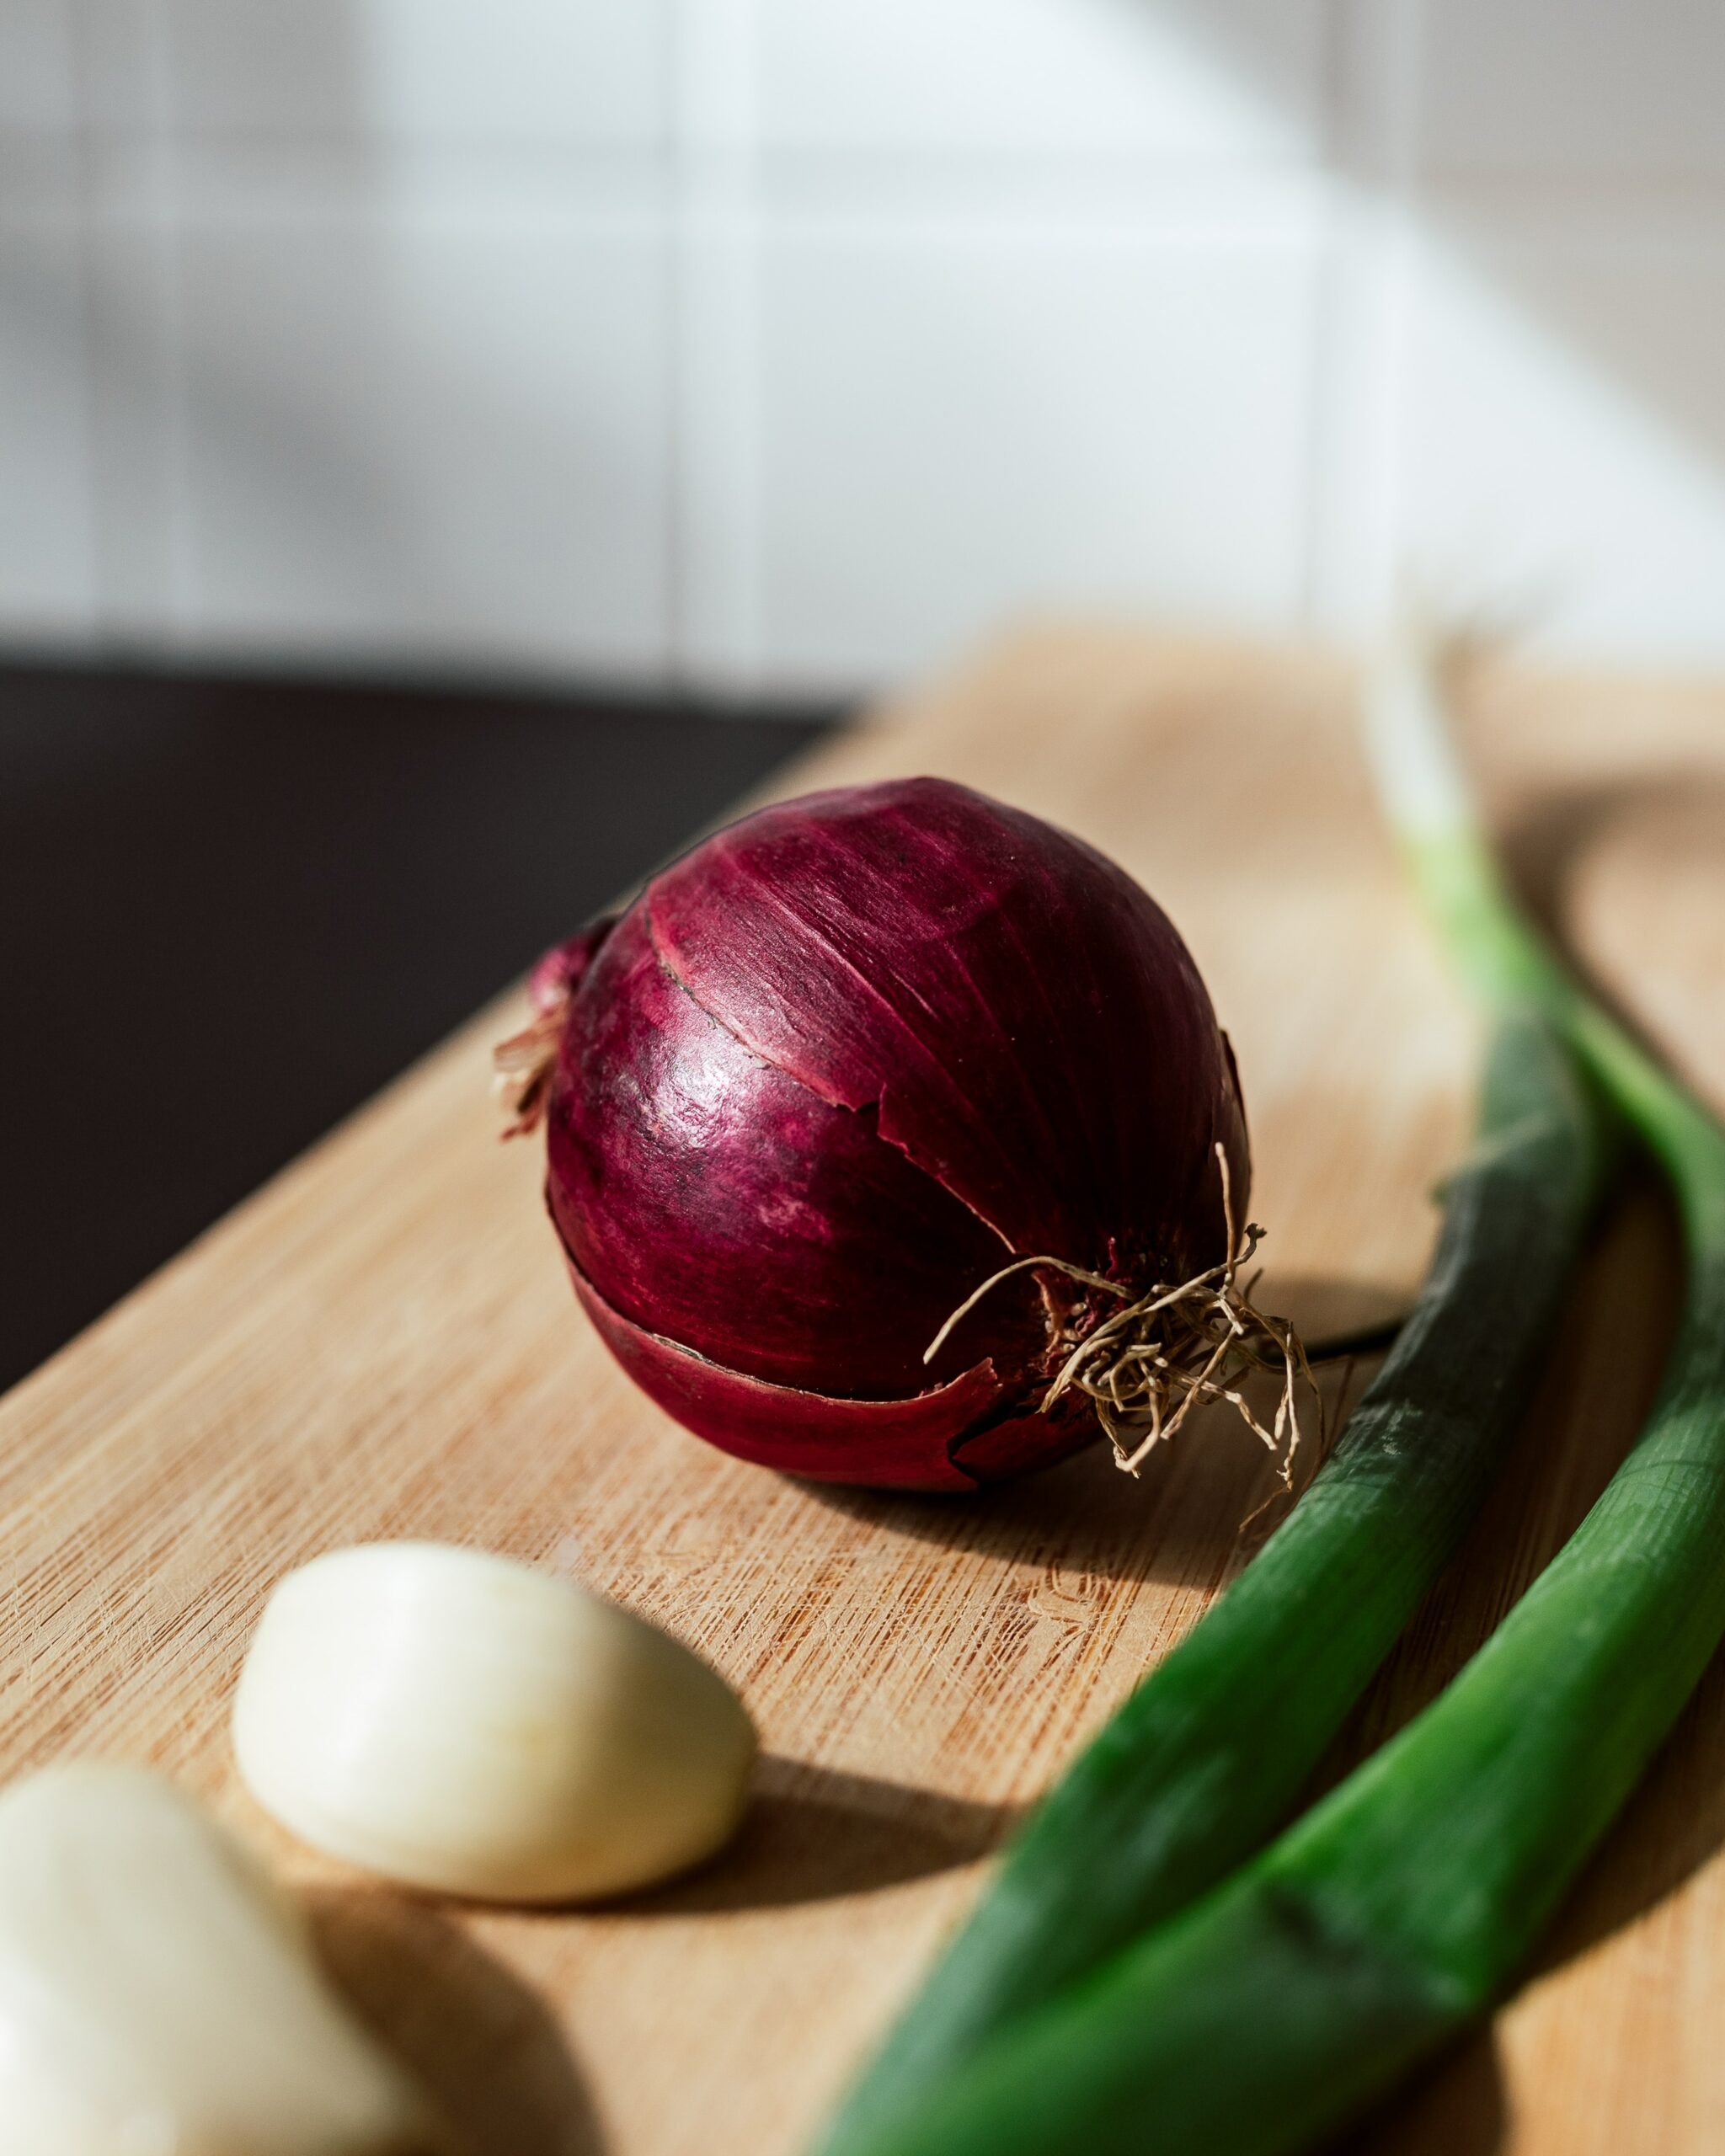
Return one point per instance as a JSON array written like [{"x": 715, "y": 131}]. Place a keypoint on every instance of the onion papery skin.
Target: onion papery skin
[{"x": 834, "y": 1068}]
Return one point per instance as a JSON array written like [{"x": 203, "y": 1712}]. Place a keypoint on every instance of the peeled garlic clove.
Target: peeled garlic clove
[
  {"x": 457, "y": 1721},
  {"x": 159, "y": 1994}
]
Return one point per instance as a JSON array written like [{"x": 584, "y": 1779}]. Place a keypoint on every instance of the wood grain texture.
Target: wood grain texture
[{"x": 381, "y": 1343}]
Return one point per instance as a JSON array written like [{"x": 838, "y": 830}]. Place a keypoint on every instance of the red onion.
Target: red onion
[{"x": 837, "y": 1067}]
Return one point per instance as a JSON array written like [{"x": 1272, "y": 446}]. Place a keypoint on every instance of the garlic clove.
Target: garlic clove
[
  {"x": 459, "y": 1721},
  {"x": 159, "y": 1995}
]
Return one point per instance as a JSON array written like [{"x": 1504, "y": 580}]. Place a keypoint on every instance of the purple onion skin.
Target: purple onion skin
[{"x": 834, "y": 1067}]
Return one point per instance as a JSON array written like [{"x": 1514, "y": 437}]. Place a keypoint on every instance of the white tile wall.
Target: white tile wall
[
  {"x": 38, "y": 84},
  {"x": 1218, "y": 83},
  {"x": 569, "y": 74},
  {"x": 46, "y": 553},
  {"x": 965, "y": 424},
  {"x": 763, "y": 343},
  {"x": 1565, "y": 428},
  {"x": 122, "y": 80},
  {"x": 413, "y": 432},
  {"x": 134, "y": 365},
  {"x": 1623, "y": 92},
  {"x": 46, "y": 562}
]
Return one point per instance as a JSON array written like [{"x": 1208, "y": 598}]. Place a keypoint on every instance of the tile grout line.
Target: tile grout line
[
  {"x": 713, "y": 363},
  {"x": 1359, "y": 389}
]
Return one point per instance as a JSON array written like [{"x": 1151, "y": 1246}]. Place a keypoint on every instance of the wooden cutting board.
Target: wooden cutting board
[{"x": 382, "y": 1343}]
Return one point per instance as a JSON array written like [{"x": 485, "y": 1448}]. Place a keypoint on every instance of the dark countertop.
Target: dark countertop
[{"x": 231, "y": 910}]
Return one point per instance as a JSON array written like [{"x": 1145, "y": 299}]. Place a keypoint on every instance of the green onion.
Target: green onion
[
  {"x": 1209, "y": 1757},
  {"x": 1402, "y": 1904}
]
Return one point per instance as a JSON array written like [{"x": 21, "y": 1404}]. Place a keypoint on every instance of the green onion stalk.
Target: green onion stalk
[
  {"x": 1399, "y": 1908},
  {"x": 1208, "y": 1757}
]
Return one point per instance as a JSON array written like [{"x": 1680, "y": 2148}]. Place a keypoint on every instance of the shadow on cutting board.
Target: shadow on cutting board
[
  {"x": 1554, "y": 833},
  {"x": 1459, "y": 2106},
  {"x": 1178, "y": 1519},
  {"x": 811, "y": 1834},
  {"x": 493, "y": 2061}
]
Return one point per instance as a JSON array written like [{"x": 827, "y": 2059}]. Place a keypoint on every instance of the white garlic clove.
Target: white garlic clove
[
  {"x": 457, "y": 1721},
  {"x": 158, "y": 1993}
]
